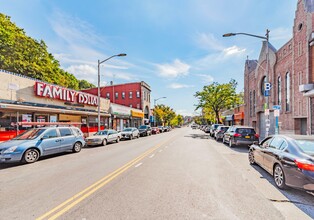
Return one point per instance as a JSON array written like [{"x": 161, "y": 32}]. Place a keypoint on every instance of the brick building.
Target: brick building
[
  {"x": 135, "y": 95},
  {"x": 291, "y": 73}
]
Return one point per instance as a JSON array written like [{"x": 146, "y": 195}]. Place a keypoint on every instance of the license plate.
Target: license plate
[{"x": 247, "y": 136}]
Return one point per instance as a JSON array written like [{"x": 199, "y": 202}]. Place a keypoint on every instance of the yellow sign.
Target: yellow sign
[{"x": 137, "y": 114}]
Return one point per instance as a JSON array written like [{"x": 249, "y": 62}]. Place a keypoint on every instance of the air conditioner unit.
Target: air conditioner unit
[{"x": 306, "y": 87}]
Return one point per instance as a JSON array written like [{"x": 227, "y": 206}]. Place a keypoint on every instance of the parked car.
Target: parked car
[
  {"x": 240, "y": 135},
  {"x": 29, "y": 146},
  {"x": 213, "y": 128},
  {"x": 194, "y": 126},
  {"x": 155, "y": 130},
  {"x": 103, "y": 137},
  {"x": 219, "y": 133},
  {"x": 161, "y": 129},
  {"x": 145, "y": 130},
  {"x": 288, "y": 158},
  {"x": 130, "y": 133},
  {"x": 207, "y": 129}
]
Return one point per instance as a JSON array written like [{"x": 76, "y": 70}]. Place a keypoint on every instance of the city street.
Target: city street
[{"x": 181, "y": 174}]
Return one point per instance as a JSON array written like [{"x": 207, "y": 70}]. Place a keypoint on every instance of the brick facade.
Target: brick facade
[{"x": 289, "y": 67}]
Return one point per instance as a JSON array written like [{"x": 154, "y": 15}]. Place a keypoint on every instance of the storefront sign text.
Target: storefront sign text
[{"x": 55, "y": 92}]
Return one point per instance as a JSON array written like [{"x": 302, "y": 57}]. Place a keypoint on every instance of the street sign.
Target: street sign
[
  {"x": 267, "y": 111},
  {"x": 276, "y": 112},
  {"x": 277, "y": 107},
  {"x": 266, "y": 92}
]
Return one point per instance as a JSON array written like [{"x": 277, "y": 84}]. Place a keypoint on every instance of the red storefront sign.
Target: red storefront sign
[{"x": 56, "y": 92}]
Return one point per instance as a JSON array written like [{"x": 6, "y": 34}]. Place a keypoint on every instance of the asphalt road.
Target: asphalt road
[{"x": 182, "y": 174}]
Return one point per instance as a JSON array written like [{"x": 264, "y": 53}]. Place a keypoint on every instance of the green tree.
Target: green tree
[
  {"x": 26, "y": 56},
  {"x": 164, "y": 114},
  {"x": 216, "y": 97}
]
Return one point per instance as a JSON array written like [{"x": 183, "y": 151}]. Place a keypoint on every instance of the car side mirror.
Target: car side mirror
[{"x": 256, "y": 143}]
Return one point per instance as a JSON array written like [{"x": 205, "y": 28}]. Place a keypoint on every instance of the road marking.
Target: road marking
[
  {"x": 139, "y": 164},
  {"x": 77, "y": 198},
  {"x": 151, "y": 156}
]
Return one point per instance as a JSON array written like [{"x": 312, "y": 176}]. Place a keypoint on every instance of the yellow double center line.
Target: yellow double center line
[{"x": 74, "y": 200}]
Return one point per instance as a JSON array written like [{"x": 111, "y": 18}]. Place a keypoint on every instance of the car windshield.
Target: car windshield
[
  {"x": 306, "y": 145},
  {"x": 224, "y": 128},
  {"x": 127, "y": 129},
  {"x": 245, "y": 131},
  {"x": 101, "y": 133},
  {"x": 30, "y": 134},
  {"x": 143, "y": 127}
]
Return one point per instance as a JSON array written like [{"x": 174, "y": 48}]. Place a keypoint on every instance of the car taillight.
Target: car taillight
[
  {"x": 237, "y": 135},
  {"x": 304, "y": 164},
  {"x": 256, "y": 135}
]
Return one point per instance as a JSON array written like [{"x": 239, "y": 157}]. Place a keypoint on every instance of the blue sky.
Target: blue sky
[{"x": 176, "y": 46}]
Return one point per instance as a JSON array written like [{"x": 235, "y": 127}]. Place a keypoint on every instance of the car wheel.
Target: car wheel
[
  {"x": 223, "y": 140},
  {"x": 230, "y": 143},
  {"x": 279, "y": 177},
  {"x": 251, "y": 157},
  {"x": 118, "y": 139},
  {"x": 77, "y": 147},
  {"x": 131, "y": 137},
  {"x": 138, "y": 136},
  {"x": 30, "y": 156},
  {"x": 104, "y": 142}
]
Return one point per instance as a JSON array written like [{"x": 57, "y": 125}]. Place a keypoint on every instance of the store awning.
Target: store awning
[
  {"x": 239, "y": 116},
  {"x": 137, "y": 113},
  {"x": 5, "y": 107}
]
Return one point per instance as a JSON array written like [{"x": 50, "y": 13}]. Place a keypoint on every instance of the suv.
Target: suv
[
  {"x": 240, "y": 135},
  {"x": 219, "y": 133},
  {"x": 213, "y": 128},
  {"x": 145, "y": 130},
  {"x": 36, "y": 142}
]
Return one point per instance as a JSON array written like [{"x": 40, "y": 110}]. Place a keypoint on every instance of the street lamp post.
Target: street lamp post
[
  {"x": 98, "y": 92},
  {"x": 155, "y": 106},
  {"x": 266, "y": 37}
]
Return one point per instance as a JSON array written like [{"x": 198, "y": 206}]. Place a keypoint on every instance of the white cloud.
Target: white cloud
[
  {"x": 234, "y": 50},
  {"x": 179, "y": 86},
  {"x": 206, "y": 78},
  {"x": 208, "y": 42},
  {"x": 176, "y": 69}
]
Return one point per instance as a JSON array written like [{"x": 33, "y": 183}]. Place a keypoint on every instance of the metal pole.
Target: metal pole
[
  {"x": 267, "y": 79},
  {"x": 98, "y": 96}
]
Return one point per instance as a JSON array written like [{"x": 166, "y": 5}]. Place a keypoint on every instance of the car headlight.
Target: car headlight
[{"x": 10, "y": 150}]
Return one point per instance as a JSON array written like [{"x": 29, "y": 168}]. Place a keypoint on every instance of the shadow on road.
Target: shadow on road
[
  {"x": 301, "y": 199},
  {"x": 198, "y": 136}
]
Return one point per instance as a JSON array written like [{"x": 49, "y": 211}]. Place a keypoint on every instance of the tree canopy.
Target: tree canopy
[
  {"x": 166, "y": 116},
  {"x": 216, "y": 97},
  {"x": 27, "y": 56}
]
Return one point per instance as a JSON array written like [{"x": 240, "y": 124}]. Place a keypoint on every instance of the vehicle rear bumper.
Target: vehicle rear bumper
[{"x": 243, "y": 142}]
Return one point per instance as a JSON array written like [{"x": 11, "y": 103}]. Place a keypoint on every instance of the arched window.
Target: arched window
[
  {"x": 263, "y": 85},
  {"x": 288, "y": 92},
  {"x": 279, "y": 91}
]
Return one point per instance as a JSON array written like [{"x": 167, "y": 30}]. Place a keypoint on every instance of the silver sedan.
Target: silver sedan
[{"x": 103, "y": 137}]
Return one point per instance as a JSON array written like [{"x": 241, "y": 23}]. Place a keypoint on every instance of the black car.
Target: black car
[
  {"x": 240, "y": 135},
  {"x": 145, "y": 130},
  {"x": 288, "y": 158}
]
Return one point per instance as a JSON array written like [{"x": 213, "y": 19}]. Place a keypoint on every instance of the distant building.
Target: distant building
[
  {"x": 291, "y": 74},
  {"x": 135, "y": 95}
]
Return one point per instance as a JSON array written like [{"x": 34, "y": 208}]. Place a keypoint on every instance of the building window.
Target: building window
[
  {"x": 251, "y": 105},
  {"x": 131, "y": 106},
  {"x": 254, "y": 103},
  {"x": 137, "y": 94},
  {"x": 287, "y": 92},
  {"x": 123, "y": 95},
  {"x": 279, "y": 91},
  {"x": 138, "y": 106},
  {"x": 144, "y": 95},
  {"x": 263, "y": 85},
  {"x": 130, "y": 95},
  {"x": 300, "y": 48},
  {"x": 300, "y": 78},
  {"x": 290, "y": 47},
  {"x": 117, "y": 95},
  {"x": 108, "y": 95}
]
